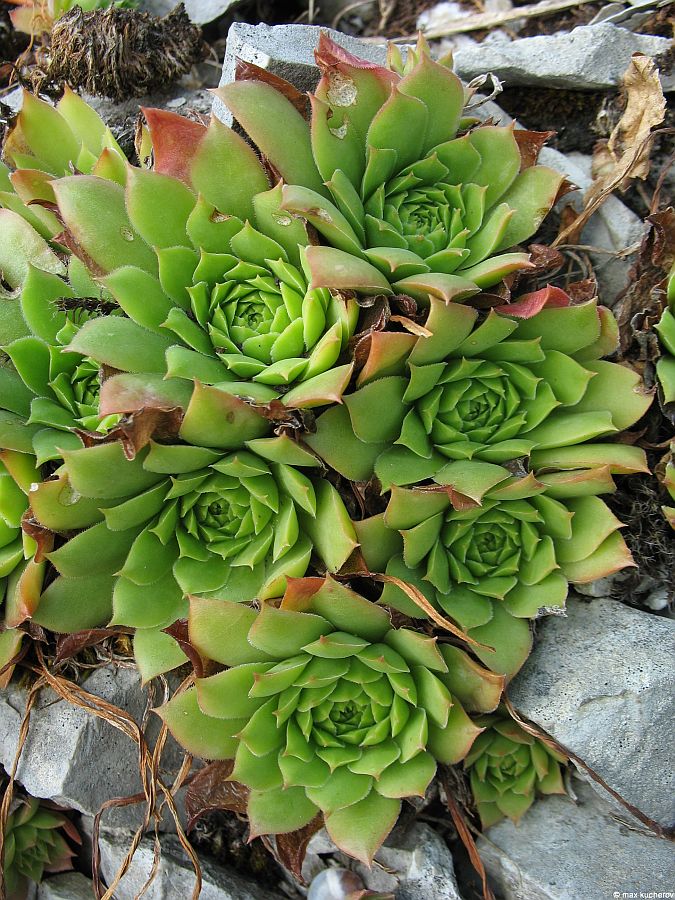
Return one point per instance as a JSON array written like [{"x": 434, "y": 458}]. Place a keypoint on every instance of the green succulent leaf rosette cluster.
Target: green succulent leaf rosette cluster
[
  {"x": 406, "y": 205},
  {"x": 231, "y": 512},
  {"x": 50, "y": 391},
  {"x": 208, "y": 269},
  {"x": 493, "y": 549},
  {"x": 508, "y": 768},
  {"x": 490, "y": 388},
  {"x": 326, "y": 708},
  {"x": 34, "y": 844}
]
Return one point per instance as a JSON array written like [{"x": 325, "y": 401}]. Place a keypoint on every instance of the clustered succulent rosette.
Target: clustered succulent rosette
[
  {"x": 526, "y": 378},
  {"x": 35, "y": 844},
  {"x": 508, "y": 768},
  {"x": 208, "y": 269},
  {"x": 165, "y": 328},
  {"x": 405, "y": 205},
  {"x": 327, "y": 708},
  {"x": 229, "y": 511}
]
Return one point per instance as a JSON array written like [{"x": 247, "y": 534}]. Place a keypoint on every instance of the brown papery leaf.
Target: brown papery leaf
[
  {"x": 68, "y": 645},
  {"x": 530, "y": 144},
  {"x": 626, "y": 154},
  {"x": 645, "y": 109},
  {"x": 292, "y": 847},
  {"x": 137, "y": 429},
  {"x": 208, "y": 790}
]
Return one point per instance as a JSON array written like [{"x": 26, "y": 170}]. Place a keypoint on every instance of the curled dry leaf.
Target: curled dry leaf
[
  {"x": 626, "y": 154},
  {"x": 209, "y": 790},
  {"x": 292, "y": 847}
]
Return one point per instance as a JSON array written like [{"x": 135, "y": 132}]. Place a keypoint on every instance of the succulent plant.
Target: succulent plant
[
  {"x": 227, "y": 512},
  {"x": 527, "y": 377},
  {"x": 20, "y": 576},
  {"x": 48, "y": 392},
  {"x": 508, "y": 768},
  {"x": 35, "y": 18},
  {"x": 34, "y": 843},
  {"x": 217, "y": 275},
  {"x": 45, "y": 142},
  {"x": 493, "y": 549},
  {"x": 406, "y": 205},
  {"x": 326, "y": 707}
]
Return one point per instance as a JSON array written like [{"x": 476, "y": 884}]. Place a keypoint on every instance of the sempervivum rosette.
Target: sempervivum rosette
[
  {"x": 228, "y": 512},
  {"x": 528, "y": 377},
  {"x": 508, "y": 768},
  {"x": 327, "y": 708},
  {"x": 407, "y": 205},
  {"x": 198, "y": 253},
  {"x": 493, "y": 549},
  {"x": 48, "y": 392}
]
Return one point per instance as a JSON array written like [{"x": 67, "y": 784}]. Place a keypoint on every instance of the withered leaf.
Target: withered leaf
[
  {"x": 136, "y": 430},
  {"x": 530, "y": 144},
  {"x": 43, "y": 537},
  {"x": 292, "y": 847},
  {"x": 68, "y": 645},
  {"x": 208, "y": 790}
]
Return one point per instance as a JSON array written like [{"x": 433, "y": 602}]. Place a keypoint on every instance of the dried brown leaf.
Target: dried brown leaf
[
  {"x": 530, "y": 144},
  {"x": 136, "y": 430},
  {"x": 645, "y": 109},
  {"x": 626, "y": 154},
  {"x": 68, "y": 645},
  {"x": 292, "y": 847},
  {"x": 208, "y": 790}
]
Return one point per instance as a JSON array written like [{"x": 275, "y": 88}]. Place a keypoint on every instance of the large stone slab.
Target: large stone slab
[
  {"x": 286, "y": 51},
  {"x": 563, "y": 851},
  {"x": 590, "y": 57},
  {"x": 601, "y": 681},
  {"x": 175, "y": 878},
  {"x": 70, "y": 755}
]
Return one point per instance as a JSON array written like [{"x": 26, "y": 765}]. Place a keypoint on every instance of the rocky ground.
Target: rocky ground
[{"x": 600, "y": 679}]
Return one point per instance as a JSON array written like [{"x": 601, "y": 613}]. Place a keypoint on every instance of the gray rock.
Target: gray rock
[
  {"x": 414, "y": 863},
  {"x": 199, "y": 11},
  {"x": 286, "y": 51},
  {"x": 590, "y": 57},
  {"x": 71, "y": 886},
  {"x": 563, "y": 851},
  {"x": 73, "y": 757},
  {"x": 417, "y": 864},
  {"x": 175, "y": 877},
  {"x": 601, "y": 682}
]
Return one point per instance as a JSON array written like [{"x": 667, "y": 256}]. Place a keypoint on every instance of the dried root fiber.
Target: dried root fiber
[{"x": 120, "y": 53}]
